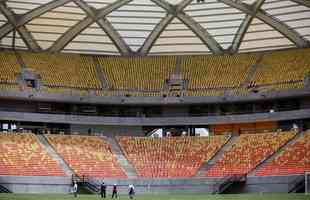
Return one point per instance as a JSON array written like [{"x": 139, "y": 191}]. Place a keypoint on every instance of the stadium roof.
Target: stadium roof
[{"x": 154, "y": 27}]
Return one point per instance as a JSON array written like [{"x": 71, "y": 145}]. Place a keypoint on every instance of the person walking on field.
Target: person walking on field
[
  {"x": 131, "y": 191},
  {"x": 103, "y": 190},
  {"x": 114, "y": 191},
  {"x": 75, "y": 189}
]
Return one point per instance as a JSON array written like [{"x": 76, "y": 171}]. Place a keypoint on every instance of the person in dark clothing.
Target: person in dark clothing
[
  {"x": 114, "y": 191},
  {"x": 131, "y": 191},
  {"x": 75, "y": 189},
  {"x": 103, "y": 190}
]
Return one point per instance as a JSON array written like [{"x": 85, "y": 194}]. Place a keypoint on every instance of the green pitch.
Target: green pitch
[{"x": 159, "y": 197}]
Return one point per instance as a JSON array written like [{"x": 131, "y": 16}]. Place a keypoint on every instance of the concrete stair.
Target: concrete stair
[
  {"x": 50, "y": 150},
  {"x": 100, "y": 74},
  {"x": 207, "y": 165},
  {"x": 273, "y": 156},
  {"x": 178, "y": 65},
  {"x": 252, "y": 71},
  {"x": 20, "y": 60},
  {"x": 116, "y": 150}
]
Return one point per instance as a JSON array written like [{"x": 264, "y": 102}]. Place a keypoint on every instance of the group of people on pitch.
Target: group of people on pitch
[{"x": 103, "y": 190}]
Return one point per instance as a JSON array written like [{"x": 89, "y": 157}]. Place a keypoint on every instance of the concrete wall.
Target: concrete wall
[
  {"x": 201, "y": 185},
  {"x": 41, "y": 184},
  {"x": 270, "y": 184},
  {"x": 172, "y": 111},
  {"x": 122, "y": 100},
  {"x": 167, "y": 186},
  {"x": 154, "y": 121},
  {"x": 108, "y": 130}
]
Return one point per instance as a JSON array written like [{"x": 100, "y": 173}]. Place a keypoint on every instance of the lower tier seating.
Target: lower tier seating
[
  {"x": 22, "y": 155},
  {"x": 248, "y": 151},
  {"x": 169, "y": 157},
  {"x": 87, "y": 155},
  {"x": 293, "y": 160}
]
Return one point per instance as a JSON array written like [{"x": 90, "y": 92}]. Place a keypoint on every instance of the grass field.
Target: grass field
[{"x": 161, "y": 197}]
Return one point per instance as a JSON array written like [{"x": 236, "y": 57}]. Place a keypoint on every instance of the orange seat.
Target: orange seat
[
  {"x": 87, "y": 155},
  {"x": 293, "y": 160},
  {"x": 169, "y": 157},
  {"x": 247, "y": 152},
  {"x": 22, "y": 155}
]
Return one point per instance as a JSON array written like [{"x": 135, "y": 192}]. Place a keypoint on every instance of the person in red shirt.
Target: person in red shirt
[{"x": 114, "y": 191}]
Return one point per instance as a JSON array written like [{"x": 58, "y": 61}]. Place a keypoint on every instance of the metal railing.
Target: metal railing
[{"x": 4, "y": 189}]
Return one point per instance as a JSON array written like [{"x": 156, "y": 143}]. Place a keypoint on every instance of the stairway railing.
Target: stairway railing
[
  {"x": 4, "y": 189},
  {"x": 88, "y": 182}
]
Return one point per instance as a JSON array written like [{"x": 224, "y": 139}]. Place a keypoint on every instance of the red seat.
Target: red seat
[
  {"x": 294, "y": 160},
  {"x": 22, "y": 155},
  {"x": 87, "y": 155},
  {"x": 169, "y": 157},
  {"x": 247, "y": 152}
]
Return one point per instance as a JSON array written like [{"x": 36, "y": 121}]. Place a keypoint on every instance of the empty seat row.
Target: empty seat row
[
  {"x": 247, "y": 152},
  {"x": 139, "y": 73},
  {"x": 293, "y": 160},
  {"x": 23, "y": 155},
  {"x": 87, "y": 155},
  {"x": 63, "y": 70},
  {"x": 169, "y": 157},
  {"x": 208, "y": 75},
  {"x": 205, "y": 72}
]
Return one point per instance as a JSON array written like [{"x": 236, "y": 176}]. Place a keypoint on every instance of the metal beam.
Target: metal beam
[
  {"x": 160, "y": 27},
  {"x": 203, "y": 34},
  {"x": 23, "y": 32},
  {"x": 183, "y": 4},
  {"x": 8, "y": 27},
  {"x": 303, "y": 2},
  {"x": 28, "y": 39},
  {"x": 93, "y": 16},
  {"x": 71, "y": 34},
  {"x": 107, "y": 27},
  {"x": 245, "y": 25},
  {"x": 154, "y": 35},
  {"x": 114, "y": 36},
  {"x": 279, "y": 26}
]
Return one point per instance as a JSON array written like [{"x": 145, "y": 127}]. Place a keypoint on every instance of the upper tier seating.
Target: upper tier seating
[
  {"x": 293, "y": 160},
  {"x": 208, "y": 75},
  {"x": 140, "y": 73},
  {"x": 247, "y": 152},
  {"x": 205, "y": 72},
  {"x": 169, "y": 157},
  {"x": 9, "y": 68},
  {"x": 22, "y": 155},
  {"x": 269, "y": 88},
  {"x": 87, "y": 155},
  {"x": 283, "y": 66},
  {"x": 63, "y": 70}
]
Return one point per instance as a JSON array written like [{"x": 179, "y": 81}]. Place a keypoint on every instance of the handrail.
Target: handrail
[{"x": 4, "y": 189}]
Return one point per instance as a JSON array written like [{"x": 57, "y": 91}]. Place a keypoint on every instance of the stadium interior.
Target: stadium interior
[{"x": 172, "y": 96}]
